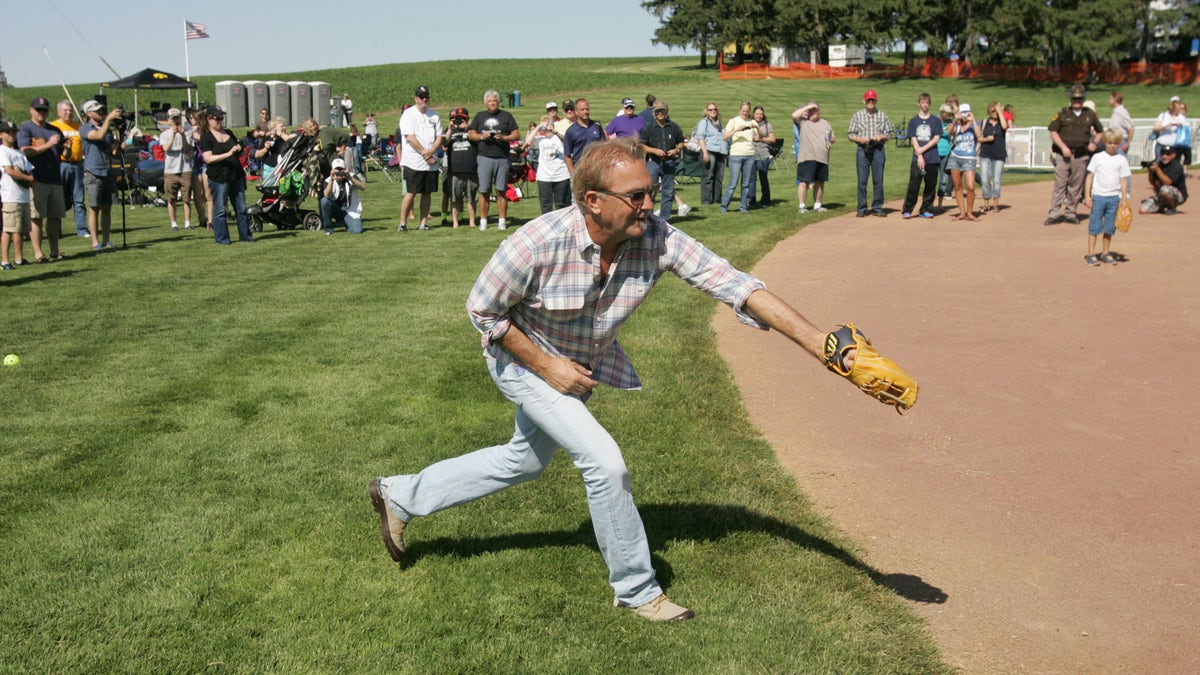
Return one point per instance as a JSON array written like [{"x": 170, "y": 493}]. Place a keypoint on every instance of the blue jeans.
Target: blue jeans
[
  {"x": 991, "y": 172},
  {"x": 714, "y": 176},
  {"x": 1104, "y": 215},
  {"x": 870, "y": 164},
  {"x": 741, "y": 170},
  {"x": 222, "y": 192},
  {"x": 664, "y": 171},
  {"x": 72, "y": 180},
  {"x": 546, "y": 420},
  {"x": 762, "y": 168},
  {"x": 333, "y": 213}
]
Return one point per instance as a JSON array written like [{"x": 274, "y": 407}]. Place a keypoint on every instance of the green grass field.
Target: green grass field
[{"x": 185, "y": 450}]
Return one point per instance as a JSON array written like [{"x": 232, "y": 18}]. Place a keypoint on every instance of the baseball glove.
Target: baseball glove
[{"x": 877, "y": 375}]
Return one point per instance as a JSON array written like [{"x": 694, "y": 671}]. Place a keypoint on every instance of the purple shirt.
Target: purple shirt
[
  {"x": 545, "y": 279},
  {"x": 623, "y": 125}
]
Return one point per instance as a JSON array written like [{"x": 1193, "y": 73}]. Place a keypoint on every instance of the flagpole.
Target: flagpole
[{"x": 187, "y": 62}]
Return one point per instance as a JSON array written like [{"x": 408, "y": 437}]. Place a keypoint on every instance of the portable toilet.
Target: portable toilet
[
  {"x": 280, "y": 96},
  {"x": 302, "y": 101},
  {"x": 258, "y": 96},
  {"x": 231, "y": 97},
  {"x": 323, "y": 103}
]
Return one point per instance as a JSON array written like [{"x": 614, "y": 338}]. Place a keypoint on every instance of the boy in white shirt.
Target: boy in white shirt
[
  {"x": 16, "y": 189},
  {"x": 1107, "y": 172}
]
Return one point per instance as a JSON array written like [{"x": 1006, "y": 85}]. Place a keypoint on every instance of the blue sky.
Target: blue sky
[{"x": 304, "y": 35}]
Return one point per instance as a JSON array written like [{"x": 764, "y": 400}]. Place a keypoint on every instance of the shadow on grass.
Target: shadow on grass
[{"x": 681, "y": 522}]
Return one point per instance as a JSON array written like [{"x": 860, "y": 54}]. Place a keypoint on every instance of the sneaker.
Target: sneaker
[
  {"x": 483, "y": 224},
  {"x": 820, "y": 209},
  {"x": 391, "y": 527},
  {"x": 6, "y": 266},
  {"x": 424, "y": 227},
  {"x": 1072, "y": 219},
  {"x": 1092, "y": 259},
  {"x": 662, "y": 609},
  {"x": 174, "y": 226},
  {"x": 402, "y": 228},
  {"x": 879, "y": 214},
  {"x": 502, "y": 225},
  {"x": 1108, "y": 259},
  {"x": 1051, "y": 221},
  {"x": 906, "y": 215},
  {"x": 684, "y": 209},
  {"x": 108, "y": 244},
  {"x": 328, "y": 232},
  {"x": 724, "y": 209},
  {"x": 97, "y": 247},
  {"x": 804, "y": 210},
  {"x": 861, "y": 214},
  {"x": 926, "y": 214}
]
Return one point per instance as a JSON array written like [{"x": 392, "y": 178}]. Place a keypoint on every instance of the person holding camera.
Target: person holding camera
[
  {"x": 964, "y": 135},
  {"x": 553, "y": 178},
  {"x": 740, "y": 132},
  {"x": 176, "y": 142},
  {"x": 492, "y": 130},
  {"x": 461, "y": 166},
  {"x": 869, "y": 129},
  {"x": 99, "y": 185},
  {"x": 273, "y": 144},
  {"x": 340, "y": 201},
  {"x": 226, "y": 178},
  {"x": 1169, "y": 180}
]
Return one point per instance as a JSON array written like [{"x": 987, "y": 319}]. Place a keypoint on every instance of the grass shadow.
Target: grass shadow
[{"x": 687, "y": 521}]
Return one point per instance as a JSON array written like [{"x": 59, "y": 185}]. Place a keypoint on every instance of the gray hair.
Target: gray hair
[{"x": 490, "y": 93}]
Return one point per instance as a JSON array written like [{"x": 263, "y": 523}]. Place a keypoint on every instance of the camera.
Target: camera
[
  {"x": 1146, "y": 164},
  {"x": 123, "y": 120}
]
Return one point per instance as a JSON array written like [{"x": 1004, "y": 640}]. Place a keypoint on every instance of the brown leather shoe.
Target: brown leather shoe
[
  {"x": 662, "y": 609},
  {"x": 391, "y": 527}
]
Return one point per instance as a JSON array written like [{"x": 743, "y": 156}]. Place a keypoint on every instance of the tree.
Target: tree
[{"x": 686, "y": 23}]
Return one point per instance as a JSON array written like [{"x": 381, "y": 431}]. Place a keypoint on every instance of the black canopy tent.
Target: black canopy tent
[{"x": 149, "y": 79}]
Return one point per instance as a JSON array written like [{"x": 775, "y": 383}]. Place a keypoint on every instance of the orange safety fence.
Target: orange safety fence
[{"x": 1182, "y": 73}]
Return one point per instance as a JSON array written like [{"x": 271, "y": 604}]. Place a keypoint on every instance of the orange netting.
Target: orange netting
[{"x": 1184, "y": 73}]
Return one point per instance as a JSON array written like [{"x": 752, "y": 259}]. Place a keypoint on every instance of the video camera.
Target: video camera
[
  {"x": 121, "y": 122},
  {"x": 1146, "y": 164}
]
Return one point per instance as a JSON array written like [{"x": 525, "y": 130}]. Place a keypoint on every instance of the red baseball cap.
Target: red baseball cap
[
  {"x": 459, "y": 113},
  {"x": 870, "y": 95}
]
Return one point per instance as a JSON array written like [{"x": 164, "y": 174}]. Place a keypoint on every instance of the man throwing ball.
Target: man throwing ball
[{"x": 549, "y": 306}]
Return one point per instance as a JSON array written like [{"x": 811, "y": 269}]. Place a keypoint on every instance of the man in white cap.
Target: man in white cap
[
  {"x": 99, "y": 186},
  {"x": 179, "y": 154},
  {"x": 340, "y": 201}
]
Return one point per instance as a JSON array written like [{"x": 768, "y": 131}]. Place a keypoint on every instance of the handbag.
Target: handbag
[{"x": 1124, "y": 215}]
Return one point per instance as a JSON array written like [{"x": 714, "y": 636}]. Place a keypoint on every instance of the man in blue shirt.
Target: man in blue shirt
[
  {"x": 42, "y": 143},
  {"x": 98, "y": 184},
  {"x": 579, "y": 135}
]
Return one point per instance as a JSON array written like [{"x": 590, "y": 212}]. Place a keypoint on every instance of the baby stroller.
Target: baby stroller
[{"x": 295, "y": 175}]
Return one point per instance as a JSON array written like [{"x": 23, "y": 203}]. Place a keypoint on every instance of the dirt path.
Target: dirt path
[{"x": 1048, "y": 480}]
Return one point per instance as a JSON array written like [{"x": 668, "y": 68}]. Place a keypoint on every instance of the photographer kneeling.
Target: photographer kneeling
[
  {"x": 340, "y": 200},
  {"x": 1169, "y": 180}
]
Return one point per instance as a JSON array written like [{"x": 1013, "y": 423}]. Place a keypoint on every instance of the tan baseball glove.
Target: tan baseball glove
[{"x": 877, "y": 375}]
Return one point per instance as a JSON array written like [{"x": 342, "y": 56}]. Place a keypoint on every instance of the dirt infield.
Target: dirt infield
[{"x": 1047, "y": 480}]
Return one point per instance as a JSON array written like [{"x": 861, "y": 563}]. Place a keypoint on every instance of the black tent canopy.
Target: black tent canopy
[{"x": 149, "y": 78}]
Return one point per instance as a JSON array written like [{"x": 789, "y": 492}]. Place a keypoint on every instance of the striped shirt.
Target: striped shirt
[{"x": 545, "y": 279}]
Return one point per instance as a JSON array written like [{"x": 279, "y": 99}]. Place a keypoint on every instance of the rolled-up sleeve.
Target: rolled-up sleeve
[
  {"x": 704, "y": 270},
  {"x": 501, "y": 285}
]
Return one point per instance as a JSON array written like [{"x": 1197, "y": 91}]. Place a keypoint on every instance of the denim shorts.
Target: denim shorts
[{"x": 960, "y": 163}]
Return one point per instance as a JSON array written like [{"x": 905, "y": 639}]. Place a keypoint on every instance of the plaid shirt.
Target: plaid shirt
[
  {"x": 867, "y": 125},
  {"x": 546, "y": 280}
]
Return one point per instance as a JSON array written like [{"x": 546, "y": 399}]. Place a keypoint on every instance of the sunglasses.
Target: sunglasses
[{"x": 635, "y": 198}]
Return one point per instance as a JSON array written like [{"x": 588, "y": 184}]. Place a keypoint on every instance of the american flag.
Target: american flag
[{"x": 194, "y": 31}]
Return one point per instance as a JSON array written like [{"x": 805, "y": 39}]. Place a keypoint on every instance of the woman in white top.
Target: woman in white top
[
  {"x": 553, "y": 178},
  {"x": 1167, "y": 126}
]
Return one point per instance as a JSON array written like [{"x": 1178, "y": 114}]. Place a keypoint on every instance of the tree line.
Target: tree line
[{"x": 1013, "y": 32}]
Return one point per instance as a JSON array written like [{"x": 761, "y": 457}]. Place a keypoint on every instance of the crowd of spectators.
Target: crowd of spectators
[{"x": 476, "y": 160}]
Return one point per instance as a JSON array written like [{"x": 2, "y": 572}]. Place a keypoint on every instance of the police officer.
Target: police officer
[{"x": 1074, "y": 135}]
